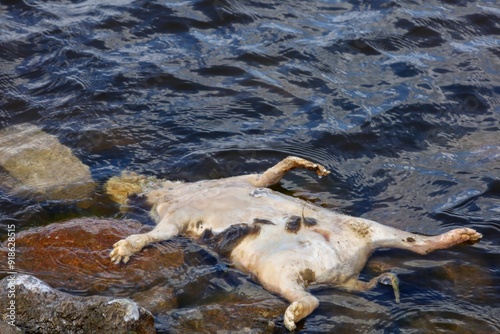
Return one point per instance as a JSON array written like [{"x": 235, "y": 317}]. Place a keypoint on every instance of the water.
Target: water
[{"x": 400, "y": 99}]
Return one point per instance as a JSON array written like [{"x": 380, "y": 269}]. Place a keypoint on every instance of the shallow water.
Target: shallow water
[{"x": 400, "y": 99}]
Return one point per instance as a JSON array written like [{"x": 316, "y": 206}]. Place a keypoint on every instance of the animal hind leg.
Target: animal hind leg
[
  {"x": 384, "y": 236},
  {"x": 355, "y": 285},
  {"x": 450, "y": 239},
  {"x": 274, "y": 174},
  {"x": 302, "y": 304},
  {"x": 291, "y": 285}
]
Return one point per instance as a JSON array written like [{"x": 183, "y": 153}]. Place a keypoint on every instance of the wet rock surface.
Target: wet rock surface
[
  {"x": 74, "y": 256},
  {"x": 454, "y": 277},
  {"x": 186, "y": 287},
  {"x": 228, "y": 317},
  {"x": 228, "y": 303},
  {"x": 35, "y": 164},
  {"x": 5, "y": 328},
  {"x": 41, "y": 309}
]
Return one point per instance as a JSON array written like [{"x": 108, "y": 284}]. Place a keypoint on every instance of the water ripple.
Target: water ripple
[{"x": 400, "y": 101}]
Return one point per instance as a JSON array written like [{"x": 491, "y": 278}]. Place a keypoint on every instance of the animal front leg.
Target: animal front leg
[
  {"x": 125, "y": 248},
  {"x": 274, "y": 174}
]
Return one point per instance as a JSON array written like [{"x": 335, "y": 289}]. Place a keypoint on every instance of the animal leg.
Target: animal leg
[
  {"x": 125, "y": 248},
  {"x": 274, "y": 174},
  {"x": 355, "y": 285},
  {"x": 289, "y": 285},
  {"x": 302, "y": 304},
  {"x": 384, "y": 236}
]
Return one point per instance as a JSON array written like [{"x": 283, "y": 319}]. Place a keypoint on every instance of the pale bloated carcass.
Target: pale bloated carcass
[{"x": 285, "y": 243}]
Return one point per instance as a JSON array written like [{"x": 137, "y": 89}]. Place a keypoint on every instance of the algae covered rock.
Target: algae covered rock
[{"x": 35, "y": 164}]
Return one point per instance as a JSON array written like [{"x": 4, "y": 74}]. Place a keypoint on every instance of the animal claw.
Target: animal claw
[
  {"x": 121, "y": 252},
  {"x": 391, "y": 279}
]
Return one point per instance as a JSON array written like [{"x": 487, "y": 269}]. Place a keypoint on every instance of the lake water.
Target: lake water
[{"x": 400, "y": 99}]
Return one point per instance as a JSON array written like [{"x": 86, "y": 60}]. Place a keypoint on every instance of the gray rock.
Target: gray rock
[
  {"x": 158, "y": 299},
  {"x": 35, "y": 164},
  {"x": 6, "y": 328},
  {"x": 41, "y": 309}
]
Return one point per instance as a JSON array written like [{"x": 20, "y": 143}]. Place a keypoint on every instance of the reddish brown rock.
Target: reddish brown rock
[{"x": 74, "y": 256}]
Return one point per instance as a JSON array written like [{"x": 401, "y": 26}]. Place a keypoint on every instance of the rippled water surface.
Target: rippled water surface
[{"x": 400, "y": 99}]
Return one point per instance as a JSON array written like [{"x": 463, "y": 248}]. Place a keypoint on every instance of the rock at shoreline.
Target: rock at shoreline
[
  {"x": 41, "y": 309},
  {"x": 36, "y": 165},
  {"x": 74, "y": 255}
]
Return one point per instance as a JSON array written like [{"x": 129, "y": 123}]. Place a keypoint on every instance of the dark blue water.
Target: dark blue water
[{"x": 400, "y": 99}]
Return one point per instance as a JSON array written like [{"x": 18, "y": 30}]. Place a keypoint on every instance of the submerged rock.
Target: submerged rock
[
  {"x": 173, "y": 280},
  {"x": 227, "y": 317},
  {"x": 158, "y": 299},
  {"x": 36, "y": 165},
  {"x": 41, "y": 309},
  {"x": 229, "y": 303},
  {"x": 74, "y": 255}
]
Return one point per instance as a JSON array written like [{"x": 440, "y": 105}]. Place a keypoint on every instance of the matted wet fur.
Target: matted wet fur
[
  {"x": 286, "y": 243},
  {"x": 224, "y": 242}
]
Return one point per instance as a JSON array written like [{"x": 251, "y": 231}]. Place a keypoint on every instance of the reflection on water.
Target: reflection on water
[{"x": 399, "y": 99}]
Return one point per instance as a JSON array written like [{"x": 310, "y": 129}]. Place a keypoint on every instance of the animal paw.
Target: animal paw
[
  {"x": 122, "y": 251},
  {"x": 319, "y": 169},
  {"x": 322, "y": 171},
  {"x": 296, "y": 162},
  {"x": 460, "y": 235},
  {"x": 293, "y": 312}
]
